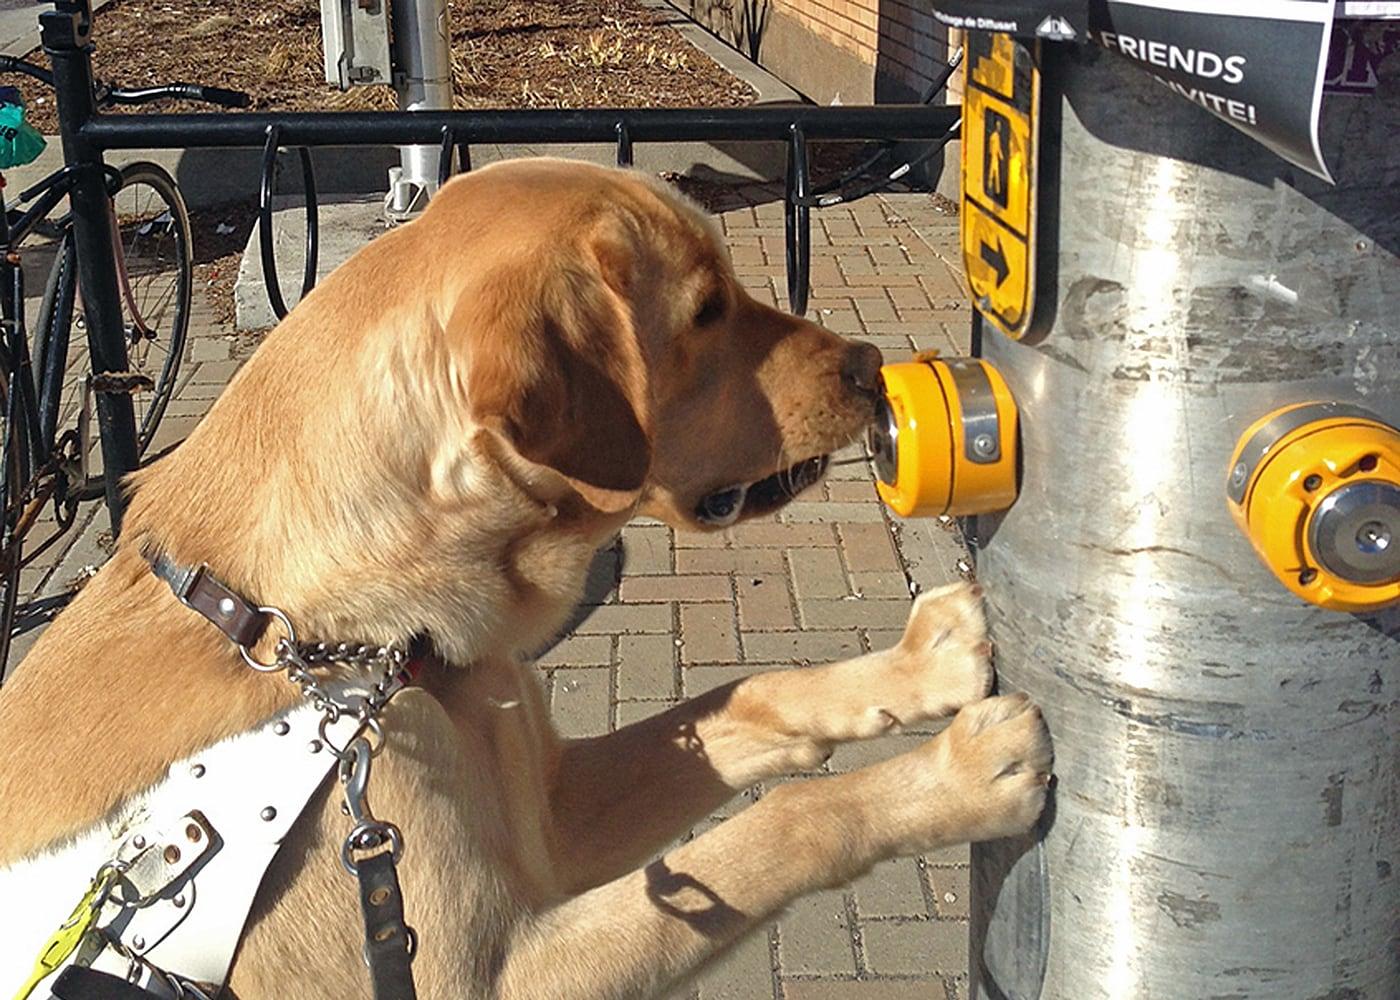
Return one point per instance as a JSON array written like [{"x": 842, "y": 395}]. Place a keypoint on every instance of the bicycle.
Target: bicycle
[{"x": 41, "y": 389}]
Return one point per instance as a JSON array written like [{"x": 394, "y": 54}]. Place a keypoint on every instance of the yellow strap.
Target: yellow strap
[{"x": 66, "y": 939}]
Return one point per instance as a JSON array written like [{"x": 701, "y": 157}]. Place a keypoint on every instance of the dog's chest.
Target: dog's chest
[{"x": 508, "y": 745}]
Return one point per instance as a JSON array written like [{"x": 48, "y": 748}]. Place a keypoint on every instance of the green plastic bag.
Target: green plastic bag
[{"x": 19, "y": 142}]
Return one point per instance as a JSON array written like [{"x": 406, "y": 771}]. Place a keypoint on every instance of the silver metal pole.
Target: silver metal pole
[
  {"x": 423, "y": 82},
  {"x": 1226, "y": 818}
]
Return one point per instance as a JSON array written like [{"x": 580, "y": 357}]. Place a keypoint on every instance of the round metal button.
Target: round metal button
[
  {"x": 883, "y": 441},
  {"x": 1355, "y": 532}
]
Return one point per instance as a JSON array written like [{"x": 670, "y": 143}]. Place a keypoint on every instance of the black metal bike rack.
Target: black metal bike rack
[
  {"x": 86, "y": 135},
  {"x": 313, "y": 226}
]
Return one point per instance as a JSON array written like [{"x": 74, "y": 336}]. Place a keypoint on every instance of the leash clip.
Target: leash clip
[{"x": 368, "y": 833}]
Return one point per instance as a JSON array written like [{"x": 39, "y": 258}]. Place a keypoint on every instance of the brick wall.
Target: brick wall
[
  {"x": 850, "y": 25},
  {"x": 852, "y": 50},
  {"x": 913, "y": 44}
]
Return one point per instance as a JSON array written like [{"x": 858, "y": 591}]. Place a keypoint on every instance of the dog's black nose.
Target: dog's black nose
[{"x": 860, "y": 370}]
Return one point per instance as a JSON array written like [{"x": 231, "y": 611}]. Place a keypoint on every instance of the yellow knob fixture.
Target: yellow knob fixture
[
  {"x": 1316, "y": 488},
  {"x": 944, "y": 439}
]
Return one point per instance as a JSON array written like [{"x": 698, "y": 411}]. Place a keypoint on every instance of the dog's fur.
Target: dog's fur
[{"x": 435, "y": 443}]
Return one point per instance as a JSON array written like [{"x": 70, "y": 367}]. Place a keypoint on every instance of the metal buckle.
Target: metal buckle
[
  {"x": 182, "y": 580},
  {"x": 286, "y": 647}
]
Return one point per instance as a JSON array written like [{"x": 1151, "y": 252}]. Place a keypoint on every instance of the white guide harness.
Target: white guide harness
[
  {"x": 194, "y": 848},
  {"x": 165, "y": 883}
]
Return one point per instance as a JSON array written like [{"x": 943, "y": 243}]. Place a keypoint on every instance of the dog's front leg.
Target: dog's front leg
[
  {"x": 620, "y": 798},
  {"x": 983, "y": 777}
]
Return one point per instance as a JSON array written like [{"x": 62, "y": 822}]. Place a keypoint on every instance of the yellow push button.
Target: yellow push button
[
  {"x": 1316, "y": 488},
  {"x": 944, "y": 440}
]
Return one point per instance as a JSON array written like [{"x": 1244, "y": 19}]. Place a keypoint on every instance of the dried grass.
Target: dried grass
[{"x": 505, "y": 53}]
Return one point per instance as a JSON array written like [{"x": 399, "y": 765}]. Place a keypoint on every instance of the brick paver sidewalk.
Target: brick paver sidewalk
[{"x": 672, "y": 614}]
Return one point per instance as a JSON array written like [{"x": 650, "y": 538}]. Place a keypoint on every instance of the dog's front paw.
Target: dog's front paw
[
  {"x": 985, "y": 776},
  {"x": 998, "y": 756},
  {"x": 943, "y": 662}
]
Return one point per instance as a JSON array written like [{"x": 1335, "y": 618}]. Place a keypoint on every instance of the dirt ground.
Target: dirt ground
[
  {"x": 505, "y": 54},
  {"x": 219, "y": 234}
]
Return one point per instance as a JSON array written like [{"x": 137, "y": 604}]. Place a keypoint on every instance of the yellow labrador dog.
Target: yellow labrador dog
[{"x": 433, "y": 445}]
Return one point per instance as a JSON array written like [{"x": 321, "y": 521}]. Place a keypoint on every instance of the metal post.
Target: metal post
[
  {"x": 65, "y": 37},
  {"x": 1224, "y": 821},
  {"x": 423, "y": 82}
]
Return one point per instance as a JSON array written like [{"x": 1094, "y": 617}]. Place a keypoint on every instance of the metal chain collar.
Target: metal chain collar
[
  {"x": 391, "y": 660},
  {"x": 297, "y": 660}
]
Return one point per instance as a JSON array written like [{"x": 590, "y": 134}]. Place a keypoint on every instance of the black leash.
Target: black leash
[
  {"x": 78, "y": 983},
  {"x": 389, "y": 941}
]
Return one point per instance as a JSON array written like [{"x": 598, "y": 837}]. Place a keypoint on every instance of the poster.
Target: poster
[
  {"x": 1257, "y": 64},
  {"x": 1368, "y": 8},
  {"x": 1358, "y": 48}
]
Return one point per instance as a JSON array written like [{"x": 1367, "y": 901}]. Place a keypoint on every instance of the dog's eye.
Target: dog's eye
[{"x": 711, "y": 309}]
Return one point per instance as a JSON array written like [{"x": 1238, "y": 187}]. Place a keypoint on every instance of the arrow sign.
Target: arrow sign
[{"x": 996, "y": 260}]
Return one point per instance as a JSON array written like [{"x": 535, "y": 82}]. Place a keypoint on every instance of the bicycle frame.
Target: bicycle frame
[
  {"x": 40, "y": 465},
  {"x": 16, "y": 228},
  {"x": 31, "y": 405}
]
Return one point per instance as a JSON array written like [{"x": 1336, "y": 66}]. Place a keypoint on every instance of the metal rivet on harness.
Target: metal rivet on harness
[{"x": 227, "y": 608}]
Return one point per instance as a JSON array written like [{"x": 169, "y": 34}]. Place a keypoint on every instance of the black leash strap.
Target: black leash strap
[
  {"x": 79, "y": 983},
  {"x": 389, "y": 941}
]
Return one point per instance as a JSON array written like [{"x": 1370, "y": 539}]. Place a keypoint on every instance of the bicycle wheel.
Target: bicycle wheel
[
  {"x": 156, "y": 282},
  {"x": 52, "y": 330},
  {"x": 11, "y": 501}
]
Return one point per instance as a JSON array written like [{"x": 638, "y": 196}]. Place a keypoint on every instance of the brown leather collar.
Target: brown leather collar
[
  {"x": 232, "y": 614},
  {"x": 241, "y": 620}
]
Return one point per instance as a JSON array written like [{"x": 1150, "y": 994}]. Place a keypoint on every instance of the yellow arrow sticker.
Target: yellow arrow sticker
[{"x": 998, "y": 269}]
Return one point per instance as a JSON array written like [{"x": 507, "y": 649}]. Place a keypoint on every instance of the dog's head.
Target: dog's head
[
  {"x": 440, "y": 435},
  {"x": 611, "y": 342}
]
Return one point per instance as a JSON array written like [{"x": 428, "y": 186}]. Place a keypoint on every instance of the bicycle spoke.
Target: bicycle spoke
[{"x": 172, "y": 287}]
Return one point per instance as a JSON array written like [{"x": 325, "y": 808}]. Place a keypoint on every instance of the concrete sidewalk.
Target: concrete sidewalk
[{"x": 673, "y": 614}]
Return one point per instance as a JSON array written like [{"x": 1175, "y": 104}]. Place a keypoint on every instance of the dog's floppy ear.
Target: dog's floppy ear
[{"x": 555, "y": 366}]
